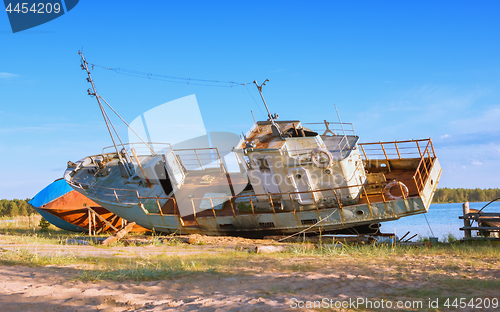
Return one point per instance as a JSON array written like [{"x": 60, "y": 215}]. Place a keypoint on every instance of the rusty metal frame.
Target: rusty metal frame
[{"x": 397, "y": 150}]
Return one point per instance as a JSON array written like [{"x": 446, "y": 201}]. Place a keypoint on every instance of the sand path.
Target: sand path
[{"x": 55, "y": 289}]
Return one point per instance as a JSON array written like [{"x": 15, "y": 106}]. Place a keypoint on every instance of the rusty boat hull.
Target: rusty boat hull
[
  {"x": 67, "y": 209},
  {"x": 394, "y": 180}
]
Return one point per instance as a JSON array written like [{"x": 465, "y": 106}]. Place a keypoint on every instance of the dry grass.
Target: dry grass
[{"x": 394, "y": 273}]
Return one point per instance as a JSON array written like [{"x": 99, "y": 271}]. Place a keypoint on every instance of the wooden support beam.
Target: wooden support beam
[
  {"x": 118, "y": 235},
  {"x": 467, "y": 223},
  {"x": 481, "y": 228},
  {"x": 102, "y": 219},
  {"x": 483, "y": 220},
  {"x": 90, "y": 223}
]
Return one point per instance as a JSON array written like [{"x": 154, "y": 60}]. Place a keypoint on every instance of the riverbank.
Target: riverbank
[{"x": 41, "y": 273}]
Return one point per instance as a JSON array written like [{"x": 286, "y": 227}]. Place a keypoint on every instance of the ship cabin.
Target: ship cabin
[{"x": 287, "y": 158}]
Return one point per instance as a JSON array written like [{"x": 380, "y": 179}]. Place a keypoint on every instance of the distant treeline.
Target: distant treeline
[
  {"x": 15, "y": 207},
  {"x": 460, "y": 195}
]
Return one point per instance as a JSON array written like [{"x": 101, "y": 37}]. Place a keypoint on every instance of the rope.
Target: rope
[
  {"x": 306, "y": 229},
  {"x": 485, "y": 207},
  {"x": 257, "y": 104},
  {"x": 429, "y": 225},
  {"x": 488, "y": 204}
]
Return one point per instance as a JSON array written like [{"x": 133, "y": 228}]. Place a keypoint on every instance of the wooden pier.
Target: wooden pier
[{"x": 488, "y": 224}]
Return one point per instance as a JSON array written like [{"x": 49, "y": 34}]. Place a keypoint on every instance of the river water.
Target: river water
[{"x": 443, "y": 220}]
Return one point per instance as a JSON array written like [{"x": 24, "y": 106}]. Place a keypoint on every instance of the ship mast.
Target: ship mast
[
  {"x": 127, "y": 172},
  {"x": 275, "y": 128},
  {"x": 86, "y": 68}
]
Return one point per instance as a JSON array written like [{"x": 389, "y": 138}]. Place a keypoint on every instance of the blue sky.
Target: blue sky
[{"x": 397, "y": 70}]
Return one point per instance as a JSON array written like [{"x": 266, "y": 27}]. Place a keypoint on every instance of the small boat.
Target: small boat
[
  {"x": 292, "y": 177},
  {"x": 69, "y": 210}
]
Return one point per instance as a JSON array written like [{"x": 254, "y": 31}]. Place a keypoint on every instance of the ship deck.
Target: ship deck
[{"x": 192, "y": 190}]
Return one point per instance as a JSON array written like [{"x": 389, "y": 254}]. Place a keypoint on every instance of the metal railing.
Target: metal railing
[
  {"x": 141, "y": 149},
  {"x": 200, "y": 158},
  {"x": 331, "y": 198},
  {"x": 191, "y": 158},
  {"x": 120, "y": 196},
  {"x": 335, "y": 129},
  {"x": 320, "y": 202},
  {"x": 417, "y": 149},
  {"x": 331, "y": 128},
  {"x": 322, "y": 199},
  {"x": 424, "y": 166},
  {"x": 395, "y": 149}
]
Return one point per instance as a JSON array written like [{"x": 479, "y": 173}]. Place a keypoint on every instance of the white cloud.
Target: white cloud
[
  {"x": 426, "y": 111},
  {"x": 485, "y": 122},
  {"x": 445, "y": 136},
  {"x": 8, "y": 75},
  {"x": 48, "y": 127},
  {"x": 476, "y": 162}
]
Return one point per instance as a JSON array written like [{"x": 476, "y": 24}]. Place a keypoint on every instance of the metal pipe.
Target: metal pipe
[
  {"x": 251, "y": 204},
  {"x": 385, "y": 154},
  {"x": 368, "y": 201},
  {"x": 293, "y": 205},
  {"x": 194, "y": 210},
  {"x": 232, "y": 208},
  {"x": 401, "y": 189},
  {"x": 432, "y": 147},
  {"x": 213, "y": 210},
  {"x": 201, "y": 166},
  {"x": 117, "y": 200},
  {"x": 268, "y": 112},
  {"x": 263, "y": 100},
  {"x": 142, "y": 169},
  {"x": 397, "y": 150},
  {"x": 363, "y": 151},
  {"x": 272, "y": 204}
]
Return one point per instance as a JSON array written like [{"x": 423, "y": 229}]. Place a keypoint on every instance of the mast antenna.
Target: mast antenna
[
  {"x": 274, "y": 126},
  {"x": 85, "y": 67},
  {"x": 124, "y": 159}
]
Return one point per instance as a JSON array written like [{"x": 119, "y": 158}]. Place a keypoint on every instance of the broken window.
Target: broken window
[{"x": 263, "y": 164}]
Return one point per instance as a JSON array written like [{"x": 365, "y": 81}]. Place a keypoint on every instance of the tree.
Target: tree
[{"x": 13, "y": 209}]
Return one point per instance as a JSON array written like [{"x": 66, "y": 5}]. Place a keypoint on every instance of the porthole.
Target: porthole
[{"x": 360, "y": 212}]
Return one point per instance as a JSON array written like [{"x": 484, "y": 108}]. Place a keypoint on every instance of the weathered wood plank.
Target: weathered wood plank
[{"x": 118, "y": 235}]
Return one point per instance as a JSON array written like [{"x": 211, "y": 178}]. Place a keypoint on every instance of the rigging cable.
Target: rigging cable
[
  {"x": 485, "y": 207},
  {"x": 182, "y": 80},
  {"x": 429, "y": 225},
  {"x": 308, "y": 228},
  {"x": 257, "y": 104},
  {"x": 488, "y": 204}
]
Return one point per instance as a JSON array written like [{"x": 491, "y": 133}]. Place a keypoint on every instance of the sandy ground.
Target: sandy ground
[{"x": 52, "y": 288}]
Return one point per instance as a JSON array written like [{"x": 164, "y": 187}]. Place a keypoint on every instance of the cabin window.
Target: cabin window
[
  {"x": 263, "y": 164},
  {"x": 267, "y": 224},
  {"x": 309, "y": 221}
]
